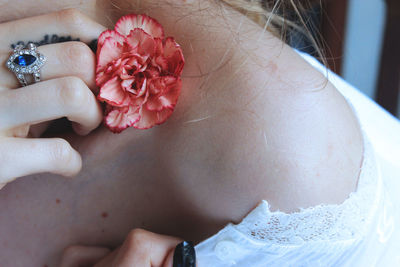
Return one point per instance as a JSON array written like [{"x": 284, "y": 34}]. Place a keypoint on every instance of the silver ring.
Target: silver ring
[{"x": 26, "y": 60}]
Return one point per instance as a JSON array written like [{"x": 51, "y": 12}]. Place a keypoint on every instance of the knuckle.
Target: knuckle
[
  {"x": 60, "y": 151},
  {"x": 74, "y": 93},
  {"x": 79, "y": 57},
  {"x": 137, "y": 239}
]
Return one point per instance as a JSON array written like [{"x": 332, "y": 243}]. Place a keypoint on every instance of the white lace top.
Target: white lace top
[
  {"x": 347, "y": 221},
  {"x": 353, "y": 233}
]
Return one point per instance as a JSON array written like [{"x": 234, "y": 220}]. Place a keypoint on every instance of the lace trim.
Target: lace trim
[{"x": 346, "y": 221}]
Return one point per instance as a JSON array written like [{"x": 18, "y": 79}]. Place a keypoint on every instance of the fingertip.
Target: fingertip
[
  {"x": 96, "y": 119},
  {"x": 80, "y": 130},
  {"x": 73, "y": 165}
]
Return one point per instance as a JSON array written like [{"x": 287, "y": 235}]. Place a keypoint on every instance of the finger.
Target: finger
[
  {"x": 108, "y": 260},
  {"x": 169, "y": 259},
  {"x": 76, "y": 256},
  {"x": 65, "y": 97},
  {"x": 63, "y": 59},
  {"x": 21, "y": 131},
  {"x": 69, "y": 22},
  {"x": 21, "y": 157},
  {"x": 142, "y": 248}
]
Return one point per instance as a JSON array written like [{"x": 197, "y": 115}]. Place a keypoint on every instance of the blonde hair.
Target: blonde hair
[{"x": 272, "y": 15}]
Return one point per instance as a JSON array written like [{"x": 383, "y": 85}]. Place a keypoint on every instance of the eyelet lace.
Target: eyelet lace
[{"x": 347, "y": 221}]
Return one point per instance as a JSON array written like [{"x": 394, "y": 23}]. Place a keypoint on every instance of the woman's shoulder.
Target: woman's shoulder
[
  {"x": 283, "y": 134},
  {"x": 306, "y": 236},
  {"x": 313, "y": 138}
]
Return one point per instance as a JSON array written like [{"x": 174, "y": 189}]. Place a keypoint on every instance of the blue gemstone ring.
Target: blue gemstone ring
[{"x": 26, "y": 60}]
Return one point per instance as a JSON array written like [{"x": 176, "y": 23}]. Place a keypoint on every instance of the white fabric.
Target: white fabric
[{"x": 362, "y": 231}]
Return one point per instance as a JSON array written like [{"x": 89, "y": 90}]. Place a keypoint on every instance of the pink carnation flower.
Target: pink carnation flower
[{"x": 138, "y": 72}]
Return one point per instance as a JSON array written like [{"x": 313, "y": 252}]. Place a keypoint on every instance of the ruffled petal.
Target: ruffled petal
[
  {"x": 127, "y": 84},
  {"x": 140, "y": 42},
  {"x": 159, "y": 103},
  {"x": 168, "y": 96},
  {"x": 109, "y": 33},
  {"x": 159, "y": 46},
  {"x": 109, "y": 51},
  {"x": 149, "y": 118},
  {"x": 161, "y": 63},
  {"x": 143, "y": 87},
  {"x": 129, "y": 22},
  {"x": 102, "y": 77},
  {"x": 174, "y": 55},
  {"x": 118, "y": 119},
  {"x": 152, "y": 72},
  {"x": 138, "y": 62},
  {"x": 112, "y": 93}
]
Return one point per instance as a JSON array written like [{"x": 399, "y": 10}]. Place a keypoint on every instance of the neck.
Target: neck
[{"x": 252, "y": 123}]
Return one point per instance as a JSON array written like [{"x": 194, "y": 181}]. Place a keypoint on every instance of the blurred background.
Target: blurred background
[{"x": 361, "y": 40}]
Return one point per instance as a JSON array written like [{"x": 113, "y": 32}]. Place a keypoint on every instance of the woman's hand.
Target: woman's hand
[
  {"x": 65, "y": 91},
  {"x": 141, "y": 248}
]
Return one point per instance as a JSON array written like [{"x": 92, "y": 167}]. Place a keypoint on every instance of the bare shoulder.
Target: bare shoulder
[
  {"x": 265, "y": 125},
  {"x": 282, "y": 134},
  {"x": 317, "y": 148},
  {"x": 313, "y": 142}
]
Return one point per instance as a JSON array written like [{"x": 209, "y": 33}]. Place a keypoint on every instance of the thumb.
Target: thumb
[{"x": 78, "y": 256}]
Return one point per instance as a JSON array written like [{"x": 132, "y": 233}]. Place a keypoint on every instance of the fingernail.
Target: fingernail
[{"x": 184, "y": 255}]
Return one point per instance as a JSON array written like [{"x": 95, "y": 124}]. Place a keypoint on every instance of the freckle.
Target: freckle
[
  {"x": 104, "y": 215},
  {"x": 45, "y": 265},
  {"x": 58, "y": 201},
  {"x": 103, "y": 231}
]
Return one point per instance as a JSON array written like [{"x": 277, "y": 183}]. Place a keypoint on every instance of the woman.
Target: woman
[{"x": 254, "y": 122}]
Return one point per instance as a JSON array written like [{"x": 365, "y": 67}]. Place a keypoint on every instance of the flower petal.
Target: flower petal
[
  {"x": 168, "y": 97},
  {"x": 127, "y": 84},
  {"x": 109, "y": 33},
  {"x": 109, "y": 51},
  {"x": 118, "y": 119},
  {"x": 159, "y": 103},
  {"x": 149, "y": 118},
  {"x": 129, "y": 22},
  {"x": 112, "y": 93},
  {"x": 102, "y": 77},
  {"x": 143, "y": 88},
  {"x": 173, "y": 53},
  {"x": 140, "y": 42}
]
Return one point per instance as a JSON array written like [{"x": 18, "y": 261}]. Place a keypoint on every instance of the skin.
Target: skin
[
  {"x": 254, "y": 121},
  {"x": 140, "y": 248}
]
